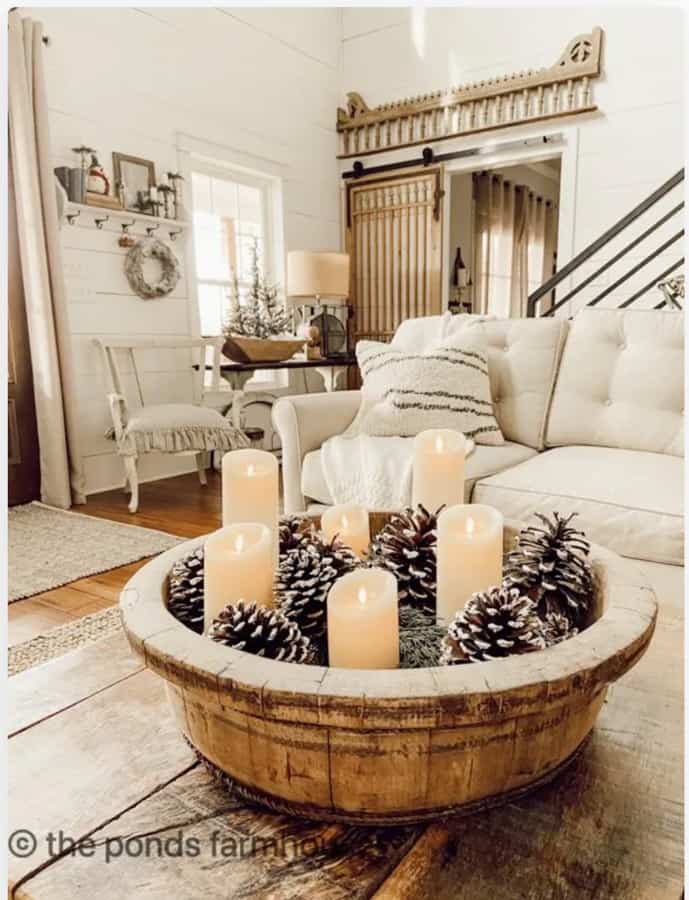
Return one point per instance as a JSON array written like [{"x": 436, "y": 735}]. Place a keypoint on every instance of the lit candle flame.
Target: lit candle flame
[
  {"x": 250, "y": 470},
  {"x": 362, "y": 596},
  {"x": 470, "y": 527},
  {"x": 344, "y": 521},
  {"x": 239, "y": 543},
  {"x": 439, "y": 444}
]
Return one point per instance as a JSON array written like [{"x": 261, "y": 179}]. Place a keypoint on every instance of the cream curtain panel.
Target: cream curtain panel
[
  {"x": 514, "y": 245},
  {"x": 62, "y": 475}
]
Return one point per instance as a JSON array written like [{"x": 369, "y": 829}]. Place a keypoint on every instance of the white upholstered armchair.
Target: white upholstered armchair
[{"x": 182, "y": 429}]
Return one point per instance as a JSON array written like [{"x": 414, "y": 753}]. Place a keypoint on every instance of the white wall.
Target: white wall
[
  {"x": 261, "y": 83},
  {"x": 623, "y": 152}
]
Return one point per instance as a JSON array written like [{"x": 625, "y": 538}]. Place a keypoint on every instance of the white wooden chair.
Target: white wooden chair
[{"x": 182, "y": 429}]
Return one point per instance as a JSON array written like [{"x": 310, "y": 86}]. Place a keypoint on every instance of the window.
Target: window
[{"x": 231, "y": 212}]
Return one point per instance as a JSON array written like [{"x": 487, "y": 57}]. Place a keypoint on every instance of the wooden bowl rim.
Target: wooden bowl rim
[{"x": 364, "y": 699}]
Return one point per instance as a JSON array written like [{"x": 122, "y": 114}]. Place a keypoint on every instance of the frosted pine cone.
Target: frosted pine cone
[
  {"x": 185, "y": 594},
  {"x": 262, "y": 631},
  {"x": 549, "y": 564},
  {"x": 494, "y": 624},
  {"x": 294, "y": 532},
  {"x": 557, "y": 628},
  {"x": 304, "y": 578},
  {"x": 406, "y": 546}
]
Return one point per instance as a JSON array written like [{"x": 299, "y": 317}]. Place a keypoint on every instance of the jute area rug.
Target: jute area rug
[
  {"x": 63, "y": 639},
  {"x": 51, "y": 547}
]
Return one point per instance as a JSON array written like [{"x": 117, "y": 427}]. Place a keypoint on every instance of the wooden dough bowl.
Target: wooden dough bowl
[
  {"x": 247, "y": 350},
  {"x": 393, "y": 746}
]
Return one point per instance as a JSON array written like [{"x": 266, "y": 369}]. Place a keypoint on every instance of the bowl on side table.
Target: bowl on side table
[
  {"x": 249, "y": 350},
  {"x": 398, "y": 746}
]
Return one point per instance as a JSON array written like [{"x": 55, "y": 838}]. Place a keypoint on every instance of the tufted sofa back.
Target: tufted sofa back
[
  {"x": 523, "y": 356},
  {"x": 523, "y": 359},
  {"x": 621, "y": 382}
]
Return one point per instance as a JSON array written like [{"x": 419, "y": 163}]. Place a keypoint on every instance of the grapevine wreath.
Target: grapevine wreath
[{"x": 151, "y": 248}]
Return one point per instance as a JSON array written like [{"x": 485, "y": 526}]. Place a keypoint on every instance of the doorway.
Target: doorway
[{"x": 503, "y": 223}]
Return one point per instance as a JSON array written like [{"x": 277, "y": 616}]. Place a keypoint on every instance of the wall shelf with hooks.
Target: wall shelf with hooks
[{"x": 83, "y": 214}]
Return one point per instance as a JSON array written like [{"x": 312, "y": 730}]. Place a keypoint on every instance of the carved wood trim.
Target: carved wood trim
[{"x": 563, "y": 89}]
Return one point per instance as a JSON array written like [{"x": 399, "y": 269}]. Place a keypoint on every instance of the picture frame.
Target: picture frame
[{"x": 136, "y": 174}]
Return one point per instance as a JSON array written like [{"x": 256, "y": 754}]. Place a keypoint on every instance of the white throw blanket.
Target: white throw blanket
[{"x": 374, "y": 472}]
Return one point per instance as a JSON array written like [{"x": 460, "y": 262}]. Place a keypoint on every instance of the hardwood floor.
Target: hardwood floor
[{"x": 177, "y": 505}]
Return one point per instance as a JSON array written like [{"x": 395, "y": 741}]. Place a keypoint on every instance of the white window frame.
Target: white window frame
[
  {"x": 221, "y": 162},
  {"x": 265, "y": 187}
]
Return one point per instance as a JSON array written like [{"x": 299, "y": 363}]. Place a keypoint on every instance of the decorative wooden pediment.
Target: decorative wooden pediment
[{"x": 564, "y": 89}]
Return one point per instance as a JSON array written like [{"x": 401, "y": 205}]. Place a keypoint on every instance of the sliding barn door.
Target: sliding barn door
[{"x": 394, "y": 241}]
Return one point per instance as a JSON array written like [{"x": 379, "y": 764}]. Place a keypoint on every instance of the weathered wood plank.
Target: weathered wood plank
[
  {"x": 192, "y": 839},
  {"x": 76, "y": 770},
  {"x": 37, "y": 693},
  {"x": 609, "y": 828}
]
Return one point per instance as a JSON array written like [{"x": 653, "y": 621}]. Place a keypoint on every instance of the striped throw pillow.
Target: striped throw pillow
[{"x": 446, "y": 386}]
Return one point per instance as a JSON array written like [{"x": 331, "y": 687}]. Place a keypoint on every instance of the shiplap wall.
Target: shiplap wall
[
  {"x": 625, "y": 151},
  {"x": 259, "y": 83}
]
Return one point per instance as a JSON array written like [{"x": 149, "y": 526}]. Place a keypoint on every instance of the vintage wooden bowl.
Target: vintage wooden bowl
[
  {"x": 389, "y": 746},
  {"x": 245, "y": 349}
]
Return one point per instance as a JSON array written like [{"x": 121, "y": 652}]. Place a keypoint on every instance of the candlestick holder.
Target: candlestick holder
[
  {"x": 174, "y": 180},
  {"x": 390, "y": 746},
  {"x": 168, "y": 200}
]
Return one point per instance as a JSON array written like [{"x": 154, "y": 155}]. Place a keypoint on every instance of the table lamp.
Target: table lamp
[{"x": 320, "y": 277}]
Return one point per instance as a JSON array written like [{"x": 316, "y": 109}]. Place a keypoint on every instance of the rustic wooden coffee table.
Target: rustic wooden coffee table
[{"x": 95, "y": 757}]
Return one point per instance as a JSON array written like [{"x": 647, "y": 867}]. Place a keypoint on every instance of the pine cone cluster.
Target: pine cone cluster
[
  {"x": 406, "y": 546},
  {"x": 494, "y": 624},
  {"x": 304, "y": 578},
  {"x": 185, "y": 593},
  {"x": 262, "y": 631},
  {"x": 549, "y": 564}
]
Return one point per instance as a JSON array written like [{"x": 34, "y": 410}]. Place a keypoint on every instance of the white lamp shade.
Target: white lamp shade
[{"x": 311, "y": 274}]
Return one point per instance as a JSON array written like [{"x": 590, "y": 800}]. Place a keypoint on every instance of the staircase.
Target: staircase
[{"x": 660, "y": 214}]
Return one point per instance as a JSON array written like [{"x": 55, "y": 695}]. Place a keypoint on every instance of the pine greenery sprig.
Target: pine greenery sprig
[{"x": 420, "y": 638}]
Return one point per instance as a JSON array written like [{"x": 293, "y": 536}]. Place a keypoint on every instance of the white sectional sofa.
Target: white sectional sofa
[{"x": 592, "y": 412}]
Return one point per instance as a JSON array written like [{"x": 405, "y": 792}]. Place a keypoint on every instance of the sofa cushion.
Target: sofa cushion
[
  {"x": 621, "y": 382},
  {"x": 447, "y": 386},
  {"x": 523, "y": 357},
  {"x": 627, "y": 500},
  {"x": 179, "y": 428},
  {"x": 482, "y": 462}
]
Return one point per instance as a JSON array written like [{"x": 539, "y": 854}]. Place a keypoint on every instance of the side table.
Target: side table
[{"x": 331, "y": 369}]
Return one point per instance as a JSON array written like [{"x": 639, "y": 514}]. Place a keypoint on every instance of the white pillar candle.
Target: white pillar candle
[
  {"x": 469, "y": 555},
  {"x": 250, "y": 491},
  {"x": 363, "y": 621},
  {"x": 438, "y": 468},
  {"x": 350, "y": 524},
  {"x": 238, "y": 565}
]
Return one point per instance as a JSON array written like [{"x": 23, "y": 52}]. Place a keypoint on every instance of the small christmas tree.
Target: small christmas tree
[
  {"x": 234, "y": 324},
  {"x": 261, "y": 314}
]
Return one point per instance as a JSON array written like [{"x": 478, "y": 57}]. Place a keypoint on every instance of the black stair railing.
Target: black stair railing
[{"x": 549, "y": 286}]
